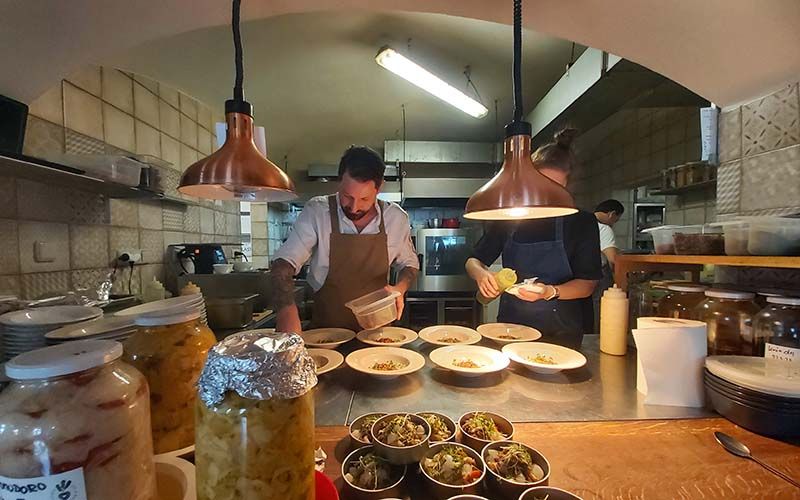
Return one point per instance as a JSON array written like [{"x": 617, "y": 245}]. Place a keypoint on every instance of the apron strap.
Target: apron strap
[
  {"x": 382, "y": 205},
  {"x": 334, "y": 211},
  {"x": 559, "y": 228}
]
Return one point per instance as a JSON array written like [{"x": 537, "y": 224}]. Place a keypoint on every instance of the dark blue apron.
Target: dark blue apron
[{"x": 560, "y": 321}]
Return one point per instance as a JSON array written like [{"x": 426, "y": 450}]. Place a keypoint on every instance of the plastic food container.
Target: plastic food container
[
  {"x": 255, "y": 419},
  {"x": 75, "y": 422},
  {"x": 115, "y": 168},
  {"x": 691, "y": 243},
  {"x": 777, "y": 329},
  {"x": 170, "y": 352},
  {"x": 737, "y": 236},
  {"x": 663, "y": 237},
  {"x": 375, "y": 309},
  {"x": 681, "y": 300},
  {"x": 774, "y": 236},
  {"x": 729, "y": 316}
]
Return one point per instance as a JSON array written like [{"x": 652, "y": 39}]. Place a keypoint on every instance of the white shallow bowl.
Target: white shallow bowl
[
  {"x": 327, "y": 338},
  {"x": 326, "y": 359},
  {"x": 435, "y": 334},
  {"x": 364, "y": 359},
  {"x": 489, "y": 360},
  {"x": 175, "y": 478},
  {"x": 564, "y": 357},
  {"x": 50, "y": 316},
  {"x": 108, "y": 324},
  {"x": 507, "y": 333},
  {"x": 387, "y": 336}
]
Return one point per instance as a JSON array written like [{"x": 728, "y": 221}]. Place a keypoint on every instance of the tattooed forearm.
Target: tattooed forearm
[
  {"x": 406, "y": 277},
  {"x": 282, "y": 284}
]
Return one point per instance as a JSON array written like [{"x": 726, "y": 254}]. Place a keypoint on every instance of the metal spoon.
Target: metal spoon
[{"x": 739, "y": 449}]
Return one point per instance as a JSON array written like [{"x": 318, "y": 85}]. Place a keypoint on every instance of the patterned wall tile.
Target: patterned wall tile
[
  {"x": 150, "y": 216},
  {"x": 152, "y": 244},
  {"x": 89, "y": 278},
  {"x": 191, "y": 219},
  {"x": 10, "y": 285},
  {"x": 38, "y": 285},
  {"x": 87, "y": 208},
  {"x": 169, "y": 181},
  {"x": 206, "y": 221},
  {"x": 220, "y": 223},
  {"x": 772, "y": 122},
  {"x": 56, "y": 238},
  {"x": 8, "y": 197},
  {"x": 125, "y": 280},
  {"x": 730, "y": 135},
  {"x": 78, "y": 144},
  {"x": 208, "y": 238},
  {"x": 38, "y": 201},
  {"x": 729, "y": 181},
  {"x": 173, "y": 216},
  {"x": 9, "y": 250},
  {"x": 232, "y": 224},
  {"x": 770, "y": 180},
  {"x": 123, "y": 212},
  {"x": 88, "y": 247},
  {"x": 42, "y": 138},
  {"x": 122, "y": 239}
]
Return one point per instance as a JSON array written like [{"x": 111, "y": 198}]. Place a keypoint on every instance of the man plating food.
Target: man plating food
[{"x": 351, "y": 239}]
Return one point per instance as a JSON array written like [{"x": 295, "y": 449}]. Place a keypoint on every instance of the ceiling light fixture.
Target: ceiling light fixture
[
  {"x": 427, "y": 81},
  {"x": 519, "y": 191},
  {"x": 238, "y": 170}
]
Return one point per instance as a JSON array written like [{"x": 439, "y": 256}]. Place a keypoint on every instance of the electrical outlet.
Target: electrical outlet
[{"x": 128, "y": 255}]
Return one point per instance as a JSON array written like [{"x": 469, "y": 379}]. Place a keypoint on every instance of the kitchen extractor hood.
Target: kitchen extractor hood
[
  {"x": 441, "y": 152},
  {"x": 324, "y": 172}
]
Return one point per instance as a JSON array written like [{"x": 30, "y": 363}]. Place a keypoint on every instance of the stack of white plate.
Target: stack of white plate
[
  {"x": 25, "y": 330},
  {"x": 106, "y": 328},
  {"x": 182, "y": 305}
]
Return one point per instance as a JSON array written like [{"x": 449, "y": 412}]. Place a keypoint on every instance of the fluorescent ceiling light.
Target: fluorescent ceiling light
[{"x": 424, "y": 79}]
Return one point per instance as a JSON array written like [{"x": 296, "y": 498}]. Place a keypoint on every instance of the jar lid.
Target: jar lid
[
  {"x": 786, "y": 301},
  {"x": 63, "y": 359},
  {"x": 167, "y": 311},
  {"x": 729, "y": 294},
  {"x": 687, "y": 287},
  {"x": 174, "y": 319},
  {"x": 770, "y": 376},
  {"x": 259, "y": 365}
]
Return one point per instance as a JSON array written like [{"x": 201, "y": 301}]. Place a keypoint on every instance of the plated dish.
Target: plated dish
[
  {"x": 326, "y": 359},
  {"x": 327, "y": 338},
  {"x": 387, "y": 336},
  {"x": 442, "y": 427},
  {"x": 444, "y": 335},
  {"x": 385, "y": 362},
  {"x": 469, "y": 360},
  {"x": 360, "y": 427},
  {"x": 364, "y": 471},
  {"x": 480, "y": 428},
  {"x": 401, "y": 438},
  {"x": 49, "y": 316},
  {"x": 540, "y": 357},
  {"x": 506, "y": 333}
]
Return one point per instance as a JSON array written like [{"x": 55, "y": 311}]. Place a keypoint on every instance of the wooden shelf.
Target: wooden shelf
[
  {"x": 629, "y": 263},
  {"x": 685, "y": 189}
]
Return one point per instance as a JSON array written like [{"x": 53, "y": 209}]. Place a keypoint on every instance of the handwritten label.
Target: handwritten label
[
  {"x": 782, "y": 353},
  {"x": 65, "y": 486}
]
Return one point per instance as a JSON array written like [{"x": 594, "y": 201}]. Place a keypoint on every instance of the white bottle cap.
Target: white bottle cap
[{"x": 615, "y": 293}]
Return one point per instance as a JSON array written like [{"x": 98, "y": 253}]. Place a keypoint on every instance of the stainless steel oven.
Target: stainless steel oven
[{"x": 443, "y": 253}]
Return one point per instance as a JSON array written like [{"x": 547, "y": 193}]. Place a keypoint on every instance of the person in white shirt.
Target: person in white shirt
[
  {"x": 351, "y": 239},
  {"x": 607, "y": 214}
]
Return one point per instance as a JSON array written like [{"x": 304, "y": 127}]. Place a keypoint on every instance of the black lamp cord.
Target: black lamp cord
[
  {"x": 517, "y": 60},
  {"x": 238, "y": 92}
]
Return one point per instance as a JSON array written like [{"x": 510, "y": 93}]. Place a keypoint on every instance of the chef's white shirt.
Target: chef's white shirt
[
  {"x": 310, "y": 238},
  {"x": 607, "y": 240}
]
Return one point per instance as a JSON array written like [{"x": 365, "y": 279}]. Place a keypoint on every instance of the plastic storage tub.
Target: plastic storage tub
[
  {"x": 375, "y": 309},
  {"x": 774, "y": 236},
  {"x": 663, "y": 237},
  {"x": 737, "y": 235},
  {"x": 114, "y": 168}
]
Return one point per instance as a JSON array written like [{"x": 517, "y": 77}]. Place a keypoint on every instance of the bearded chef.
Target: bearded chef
[{"x": 351, "y": 240}]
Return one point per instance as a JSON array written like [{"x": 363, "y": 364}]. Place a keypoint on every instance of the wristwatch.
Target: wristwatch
[{"x": 555, "y": 293}]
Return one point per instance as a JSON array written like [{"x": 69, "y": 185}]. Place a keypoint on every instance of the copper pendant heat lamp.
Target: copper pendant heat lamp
[
  {"x": 519, "y": 191},
  {"x": 238, "y": 170}
]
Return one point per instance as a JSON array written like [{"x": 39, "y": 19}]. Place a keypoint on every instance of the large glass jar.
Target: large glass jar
[
  {"x": 75, "y": 423},
  {"x": 255, "y": 420},
  {"x": 170, "y": 352},
  {"x": 777, "y": 329},
  {"x": 729, "y": 316},
  {"x": 681, "y": 301}
]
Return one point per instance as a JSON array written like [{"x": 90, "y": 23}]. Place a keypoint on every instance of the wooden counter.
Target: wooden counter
[{"x": 669, "y": 459}]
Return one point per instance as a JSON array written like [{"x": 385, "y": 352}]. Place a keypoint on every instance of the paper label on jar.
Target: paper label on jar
[
  {"x": 65, "y": 486},
  {"x": 782, "y": 353}
]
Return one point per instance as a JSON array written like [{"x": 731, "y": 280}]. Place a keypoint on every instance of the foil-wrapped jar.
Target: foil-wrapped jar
[{"x": 255, "y": 419}]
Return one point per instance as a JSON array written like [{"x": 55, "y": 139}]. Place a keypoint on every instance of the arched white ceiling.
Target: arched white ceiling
[{"x": 725, "y": 50}]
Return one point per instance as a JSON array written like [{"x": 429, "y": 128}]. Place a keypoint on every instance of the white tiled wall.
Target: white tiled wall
[{"x": 100, "y": 110}]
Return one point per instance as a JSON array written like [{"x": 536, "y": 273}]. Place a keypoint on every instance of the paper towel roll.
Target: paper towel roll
[{"x": 671, "y": 354}]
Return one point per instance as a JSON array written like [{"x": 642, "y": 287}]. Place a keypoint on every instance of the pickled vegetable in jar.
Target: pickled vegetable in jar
[
  {"x": 75, "y": 423},
  {"x": 170, "y": 352},
  {"x": 255, "y": 419},
  {"x": 729, "y": 316},
  {"x": 681, "y": 301}
]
